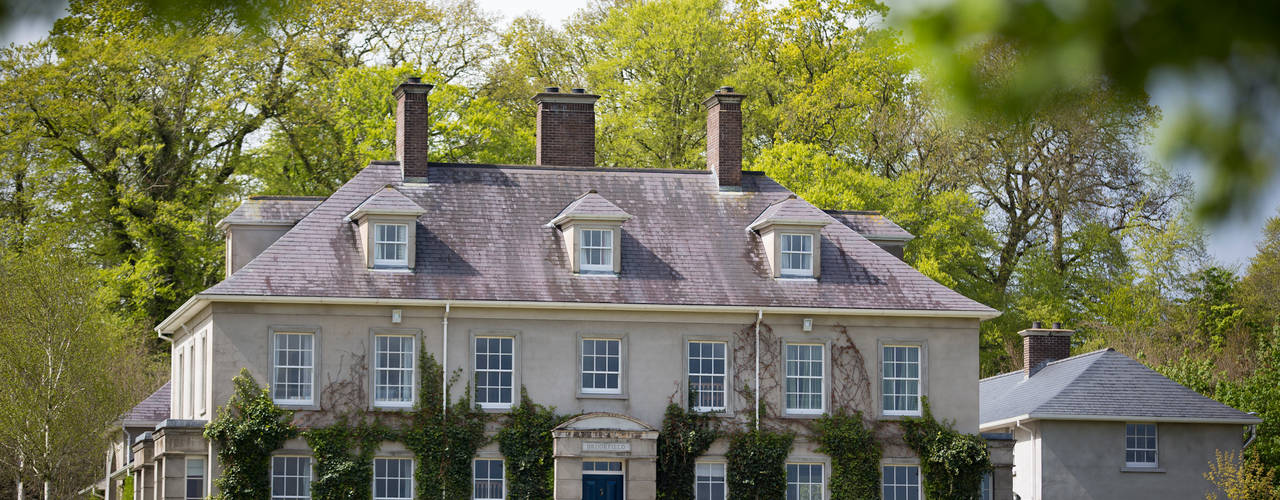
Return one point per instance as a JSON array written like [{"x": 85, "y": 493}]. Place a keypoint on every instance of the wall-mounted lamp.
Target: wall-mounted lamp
[
  {"x": 395, "y": 316},
  {"x": 808, "y": 325}
]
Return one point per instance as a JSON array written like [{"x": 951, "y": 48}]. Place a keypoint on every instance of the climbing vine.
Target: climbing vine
[
  {"x": 855, "y": 455},
  {"x": 126, "y": 487},
  {"x": 757, "y": 461},
  {"x": 951, "y": 462},
  {"x": 685, "y": 436},
  {"x": 744, "y": 375},
  {"x": 526, "y": 444},
  {"x": 344, "y": 458},
  {"x": 444, "y": 442},
  {"x": 849, "y": 366},
  {"x": 247, "y": 430}
]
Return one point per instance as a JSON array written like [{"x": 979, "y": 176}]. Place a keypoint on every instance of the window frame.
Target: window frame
[
  {"x": 724, "y": 477},
  {"x": 314, "y": 332},
  {"x": 203, "y": 478},
  {"x": 621, "y": 392},
  {"x": 878, "y": 386},
  {"x": 377, "y": 240},
  {"x": 822, "y": 481},
  {"x": 310, "y": 469},
  {"x": 515, "y": 367},
  {"x": 373, "y": 487},
  {"x": 1154, "y": 464},
  {"x": 783, "y": 241},
  {"x": 607, "y": 251},
  {"x": 725, "y": 383},
  {"x": 414, "y": 348},
  {"x": 919, "y": 477},
  {"x": 918, "y": 380},
  {"x": 502, "y": 478},
  {"x": 824, "y": 378}
]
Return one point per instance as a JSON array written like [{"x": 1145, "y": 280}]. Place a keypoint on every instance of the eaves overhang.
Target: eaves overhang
[{"x": 1030, "y": 417}]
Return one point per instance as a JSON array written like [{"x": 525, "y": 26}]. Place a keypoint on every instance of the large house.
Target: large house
[
  {"x": 1101, "y": 425},
  {"x": 605, "y": 292}
]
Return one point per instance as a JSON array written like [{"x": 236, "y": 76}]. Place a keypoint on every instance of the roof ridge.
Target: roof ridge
[{"x": 1054, "y": 362}]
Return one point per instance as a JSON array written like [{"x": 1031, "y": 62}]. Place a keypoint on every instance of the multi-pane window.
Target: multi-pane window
[
  {"x": 797, "y": 255},
  {"x": 393, "y": 370},
  {"x": 488, "y": 480},
  {"x": 900, "y": 380},
  {"x": 900, "y": 482},
  {"x": 709, "y": 481},
  {"x": 804, "y": 378},
  {"x": 195, "y": 478},
  {"x": 599, "y": 466},
  {"x": 392, "y": 479},
  {"x": 804, "y": 481},
  {"x": 495, "y": 357},
  {"x": 290, "y": 478},
  {"x": 601, "y": 366},
  {"x": 391, "y": 245},
  {"x": 294, "y": 367},
  {"x": 597, "y": 250},
  {"x": 986, "y": 490},
  {"x": 707, "y": 375},
  {"x": 1140, "y": 445}
]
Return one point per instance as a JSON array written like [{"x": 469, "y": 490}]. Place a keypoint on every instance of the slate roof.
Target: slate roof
[
  {"x": 484, "y": 237},
  {"x": 387, "y": 200},
  {"x": 1098, "y": 385},
  {"x": 791, "y": 210},
  {"x": 152, "y": 410},
  {"x": 591, "y": 206},
  {"x": 271, "y": 210},
  {"x": 870, "y": 224}
]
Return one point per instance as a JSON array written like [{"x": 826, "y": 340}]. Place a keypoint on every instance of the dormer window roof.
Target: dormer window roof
[
  {"x": 791, "y": 232},
  {"x": 591, "y": 227},
  {"x": 386, "y": 223}
]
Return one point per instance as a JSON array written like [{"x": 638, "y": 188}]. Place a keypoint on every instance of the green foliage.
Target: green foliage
[
  {"x": 1240, "y": 478},
  {"x": 756, "y": 466},
  {"x": 855, "y": 455},
  {"x": 247, "y": 430},
  {"x": 952, "y": 463},
  {"x": 1260, "y": 393},
  {"x": 526, "y": 445},
  {"x": 685, "y": 435},
  {"x": 343, "y": 455},
  {"x": 444, "y": 442},
  {"x": 126, "y": 487}
]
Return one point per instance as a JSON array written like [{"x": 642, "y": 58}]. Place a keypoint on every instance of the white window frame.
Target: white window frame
[
  {"x": 605, "y": 249},
  {"x": 918, "y": 379},
  {"x": 401, "y": 244},
  {"x": 407, "y": 373},
  {"x": 784, "y": 242},
  {"x": 276, "y": 368},
  {"x": 374, "y": 486},
  {"x": 820, "y": 378},
  {"x": 919, "y": 479},
  {"x": 309, "y": 476},
  {"x": 723, "y": 374},
  {"x": 502, "y": 478},
  {"x": 202, "y": 363},
  {"x": 582, "y": 356},
  {"x": 723, "y": 479},
  {"x": 986, "y": 490},
  {"x": 621, "y": 470},
  {"x": 187, "y": 477},
  {"x": 488, "y": 370},
  {"x": 180, "y": 383},
  {"x": 1155, "y": 451},
  {"x": 822, "y": 478}
]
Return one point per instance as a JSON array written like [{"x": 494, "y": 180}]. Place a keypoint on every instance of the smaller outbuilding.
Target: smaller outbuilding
[{"x": 1102, "y": 425}]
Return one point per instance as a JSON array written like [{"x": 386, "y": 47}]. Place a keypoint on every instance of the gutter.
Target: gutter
[
  {"x": 193, "y": 305},
  {"x": 986, "y": 426},
  {"x": 1253, "y": 432}
]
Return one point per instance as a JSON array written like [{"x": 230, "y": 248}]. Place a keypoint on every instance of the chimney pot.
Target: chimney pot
[
  {"x": 724, "y": 138},
  {"x": 414, "y": 79},
  {"x": 553, "y": 89},
  {"x": 1057, "y": 325},
  {"x": 726, "y": 90},
  {"x": 1041, "y": 347},
  {"x": 412, "y": 129},
  {"x": 578, "y": 90},
  {"x": 1035, "y": 324},
  {"x": 566, "y": 128}
]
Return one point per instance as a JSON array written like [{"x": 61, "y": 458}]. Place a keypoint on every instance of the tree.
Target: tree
[{"x": 1240, "y": 478}]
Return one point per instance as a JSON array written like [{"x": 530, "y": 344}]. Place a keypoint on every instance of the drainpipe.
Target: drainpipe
[
  {"x": 444, "y": 363},
  {"x": 1253, "y": 432},
  {"x": 759, "y": 316},
  {"x": 1035, "y": 457}
]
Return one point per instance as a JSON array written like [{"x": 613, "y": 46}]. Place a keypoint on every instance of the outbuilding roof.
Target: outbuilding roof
[
  {"x": 871, "y": 224},
  {"x": 150, "y": 411},
  {"x": 1101, "y": 385},
  {"x": 273, "y": 210},
  {"x": 484, "y": 237}
]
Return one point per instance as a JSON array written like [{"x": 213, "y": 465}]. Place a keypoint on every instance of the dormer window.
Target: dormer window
[
  {"x": 591, "y": 228},
  {"x": 597, "y": 250},
  {"x": 390, "y": 245},
  {"x": 797, "y": 255},
  {"x": 790, "y": 232},
  {"x": 386, "y": 223}
]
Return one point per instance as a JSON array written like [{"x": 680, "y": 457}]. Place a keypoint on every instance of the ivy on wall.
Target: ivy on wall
[
  {"x": 526, "y": 444},
  {"x": 855, "y": 455},
  {"x": 951, "y": 462},
  {"x": 343, "y": 456},
  {"x": 685, "y": 436},
  {"x": 443, "y": 442},
  {"x": 126, "y": 487},
  {"x": 757, "y": 460},
  {"x": 247, "y": 430}
]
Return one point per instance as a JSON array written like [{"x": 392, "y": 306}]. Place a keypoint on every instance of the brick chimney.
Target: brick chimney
[
  {"x": 1040, "y": 346},
  {"x": 566, "y": 128},
  {"x": 412, "y": 129},
  {"x": 724, "y": 138}
]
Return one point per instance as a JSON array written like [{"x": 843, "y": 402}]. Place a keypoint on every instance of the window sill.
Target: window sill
[
  {"x": 394, "y": 408},
  {"x": 496, "y": 408},
  {"x": 892, "y": 417},
  {"x": 601, "y": 395},
  {"x": 1143, "y": 469},
  {"x": 797, "y": 279},
  {"x": 391, "y": 269},
  {"x": 802, "y": 415},
  {"x": 596, "y": 274}
]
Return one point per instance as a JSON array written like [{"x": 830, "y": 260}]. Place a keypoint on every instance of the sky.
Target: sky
[{"x": 1231, "y": 242}]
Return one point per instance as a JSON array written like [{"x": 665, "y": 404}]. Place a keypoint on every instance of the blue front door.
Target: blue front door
[{"x": 601, "y": 487}]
